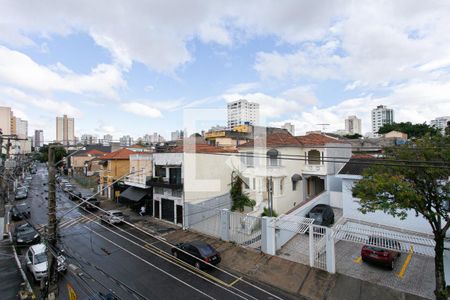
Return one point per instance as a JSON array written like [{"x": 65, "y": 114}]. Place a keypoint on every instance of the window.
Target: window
[
  {"x": 254, "y": 183},
  {"x": 273, "y": 158},
  {"x": 314, "y": 157},
  {"x": 160, "y": 171},
  {"x": 281, "y": 186}
]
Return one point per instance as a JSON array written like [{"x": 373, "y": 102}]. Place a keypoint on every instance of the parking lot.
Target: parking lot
[{"x": 414, "y": 274}]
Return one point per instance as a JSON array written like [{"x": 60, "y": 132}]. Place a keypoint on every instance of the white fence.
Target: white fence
[{"x": 213, "y": 217}]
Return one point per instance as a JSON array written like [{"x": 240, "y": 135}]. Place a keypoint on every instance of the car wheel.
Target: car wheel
[
  {"x": 197, "y": 265},
  {"x": 392, "y": 265}
]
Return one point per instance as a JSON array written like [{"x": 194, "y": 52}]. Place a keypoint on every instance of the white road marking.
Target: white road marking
[{"x": 143, "y": 260}]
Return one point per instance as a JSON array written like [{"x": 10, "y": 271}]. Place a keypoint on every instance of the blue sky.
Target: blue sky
[{"x": 136, "y": 68}]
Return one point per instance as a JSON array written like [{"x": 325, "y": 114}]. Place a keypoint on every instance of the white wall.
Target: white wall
[{"x": 351, "y": 205}]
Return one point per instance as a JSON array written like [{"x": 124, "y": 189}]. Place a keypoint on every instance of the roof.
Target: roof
[
  {"x": 123, "y": 153},
  {"x": 200, "y": 148},
  {"x": 357, "y": 164},
  {"x": 277, "y": 139},
  {"x": 316, "y": 139},
  {"x": 92, "y": 152}
]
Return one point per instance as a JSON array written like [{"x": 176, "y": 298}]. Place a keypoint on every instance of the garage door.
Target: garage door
[{"x": 167, "y": 210}]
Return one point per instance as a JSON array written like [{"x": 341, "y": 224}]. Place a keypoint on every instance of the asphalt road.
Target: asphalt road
[{"x": 127, "y": 262}]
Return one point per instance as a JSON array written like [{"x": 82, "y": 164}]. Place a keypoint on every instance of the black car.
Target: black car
[
  {"x": 201, "y": 252},
  {"x": 20, "y": 212},
  {"x": 322, "y": 214},
  {"x": 25, "y": 234},
  {"x": 75, "y": 196},
  {"x": 91, "y": 202}
]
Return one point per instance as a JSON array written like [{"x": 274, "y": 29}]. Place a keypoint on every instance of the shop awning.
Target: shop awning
[{"x": 134, "y": 194}]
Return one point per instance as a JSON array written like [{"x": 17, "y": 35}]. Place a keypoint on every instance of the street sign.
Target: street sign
[{"x": 72, "y": 294}]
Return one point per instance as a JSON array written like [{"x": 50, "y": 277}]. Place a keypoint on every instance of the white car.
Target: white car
[
  {"x": 36, "y": 261},
  {"x": 113, "y": 217}
]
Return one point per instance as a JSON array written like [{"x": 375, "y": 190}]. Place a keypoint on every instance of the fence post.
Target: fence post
[
  {"x": 330, "y": 254},
  {"x": 268, "y": 243},
  {"x": 311, "y": 245},
  {"x": 225, "y": 225}
]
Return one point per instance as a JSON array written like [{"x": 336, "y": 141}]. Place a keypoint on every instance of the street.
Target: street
[{"x": 126, "y": 261}]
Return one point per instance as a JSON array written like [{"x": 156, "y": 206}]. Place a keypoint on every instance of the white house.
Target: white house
[
  {"x": 350, "y": 174},
  {"x": 188, "y": 173},
  {"x": 300, "y": 168}
]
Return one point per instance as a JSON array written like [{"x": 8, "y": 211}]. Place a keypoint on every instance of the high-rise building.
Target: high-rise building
[
  {"x": 65, "y": 130},
  {"x": 177, "y": 135},
  {"x": 242, "y": 112},
  {"x": 126, "y": 141},
  {"x": 380, "y": 116},
  {"x": 88, "y": 139},
  {"x": 107, "y": 139},
  {"x": 21, "y": 128},
  {"x": 289, "y": 127},
  {"x": 353, "y": 125},
  {"x": 440, "y": 123},
  {"x": 38, "y": 139},
  {"x": 6, "y": 116}
]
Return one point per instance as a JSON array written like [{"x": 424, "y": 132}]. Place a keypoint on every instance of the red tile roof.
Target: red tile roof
[
  {"x": 94, "y": 152},
  {"x": 277, "y": 139},
  {"x": 123, "y": 153},
  {"x": 316, "y": 139},
  {"x": 201, "y": 148}
]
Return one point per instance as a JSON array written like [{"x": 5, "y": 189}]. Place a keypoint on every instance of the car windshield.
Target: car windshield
[
  {"x": 22, "y": 188},
  {"x": 40, "y": 258},
  {"x": 117, "y": 214},
  {"x": 316, "y": 216},
  {"x": 206, "y": 250},
  {"x": 25, "y": 230}
]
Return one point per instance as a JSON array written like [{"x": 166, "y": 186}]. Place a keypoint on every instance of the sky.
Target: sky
[{"x": 138, "y": 67}]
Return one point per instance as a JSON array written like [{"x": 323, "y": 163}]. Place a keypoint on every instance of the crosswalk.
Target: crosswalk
[{"x": 69, "y": 222}]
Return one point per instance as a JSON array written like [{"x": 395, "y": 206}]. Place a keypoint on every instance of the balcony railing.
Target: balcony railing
[
  {"x": 166, "y": 182},
  {"x": 314, "y": 169}
]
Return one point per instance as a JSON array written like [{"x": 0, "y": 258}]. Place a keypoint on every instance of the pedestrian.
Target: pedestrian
[{"x": 142, "y": 212}]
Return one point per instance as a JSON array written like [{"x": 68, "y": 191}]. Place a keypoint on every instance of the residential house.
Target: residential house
[
  {"x": 298, "y": 168},
  {"x": 79, "y": 161},
  {"x": 350, "y": 174},
  {"x": 192, "y": 172},
  {"x": 114, "y": 167},
  {"x": 396, "y": 134},
  {"x": 139, "y": 192}
]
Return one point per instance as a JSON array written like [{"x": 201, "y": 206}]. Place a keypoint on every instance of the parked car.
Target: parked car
[
  {"x": 75, "y": 195},
  {"x": 68, "y": 187},
  {"x": 201, "y": 252},
  {"x": 25, "y": 234},
  {"x": 36, "y": 262},
  {"x": 91, "y": 202},
  {"x": 371, "y": 253},
  {"x": 112, "y": 217},
  {"x": 322, "y": 214},
  {"x": 20, "y": 212},
  {"x": 21, "y": 193}
]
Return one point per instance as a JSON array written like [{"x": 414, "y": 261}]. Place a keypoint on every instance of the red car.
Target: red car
[{"x": 374, "y": 254}]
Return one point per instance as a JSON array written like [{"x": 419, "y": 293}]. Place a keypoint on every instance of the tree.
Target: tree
[
  {"x": 447, "y": 129},
  {"x": 399, "y": 190},
  {"x": 353, "y": 136},
  {"x": 412, "y": 130},
  {"x": 60, "y": 153},
  {"x": 239, "y": 198}
]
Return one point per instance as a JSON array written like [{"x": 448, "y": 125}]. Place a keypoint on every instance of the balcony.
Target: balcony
[
  {"x": 164, "y": 182},
  {"x": 314, "y": 169},
  {"x": 140, "y": 181}
]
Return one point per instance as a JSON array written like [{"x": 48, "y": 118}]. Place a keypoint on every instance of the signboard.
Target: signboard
[{"x": 72, "y": 294}]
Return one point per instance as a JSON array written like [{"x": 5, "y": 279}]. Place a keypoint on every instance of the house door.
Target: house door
[
  {"x": 179, "y": 214},
  {"x": 157, "y": 209},
  {"x": 167, "y": 212}
]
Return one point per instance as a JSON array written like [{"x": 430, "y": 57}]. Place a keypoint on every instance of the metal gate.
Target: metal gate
[
  {"x": 318, "y": 247},
  {"x": 245, "y": 230}
]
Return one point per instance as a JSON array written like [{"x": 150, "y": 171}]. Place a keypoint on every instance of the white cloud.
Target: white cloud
[
  {"x": 243, "y": 87},
  {"x": 141, "y": 109},
  {"x": 20, "y": 70},
  {"x": 23, "y": 100},
  {"x": 302, "y": 94}
]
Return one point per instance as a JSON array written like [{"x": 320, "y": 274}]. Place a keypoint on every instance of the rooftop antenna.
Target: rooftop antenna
[{"x": 324, "y": 126}]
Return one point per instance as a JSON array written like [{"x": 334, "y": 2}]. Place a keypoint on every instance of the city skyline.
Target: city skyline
[{"x": 310, "y": 68}]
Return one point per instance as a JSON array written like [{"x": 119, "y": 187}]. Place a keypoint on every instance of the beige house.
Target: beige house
[
  {"x": 396, "y": 134},
  {"x": 79, "y": 161},
  {"x": 141, "y": 170}
]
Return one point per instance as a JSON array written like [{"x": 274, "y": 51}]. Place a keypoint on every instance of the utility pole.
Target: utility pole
[
  {"x": 270, "y": 190},
  {"x": 52, "y": 272}
]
